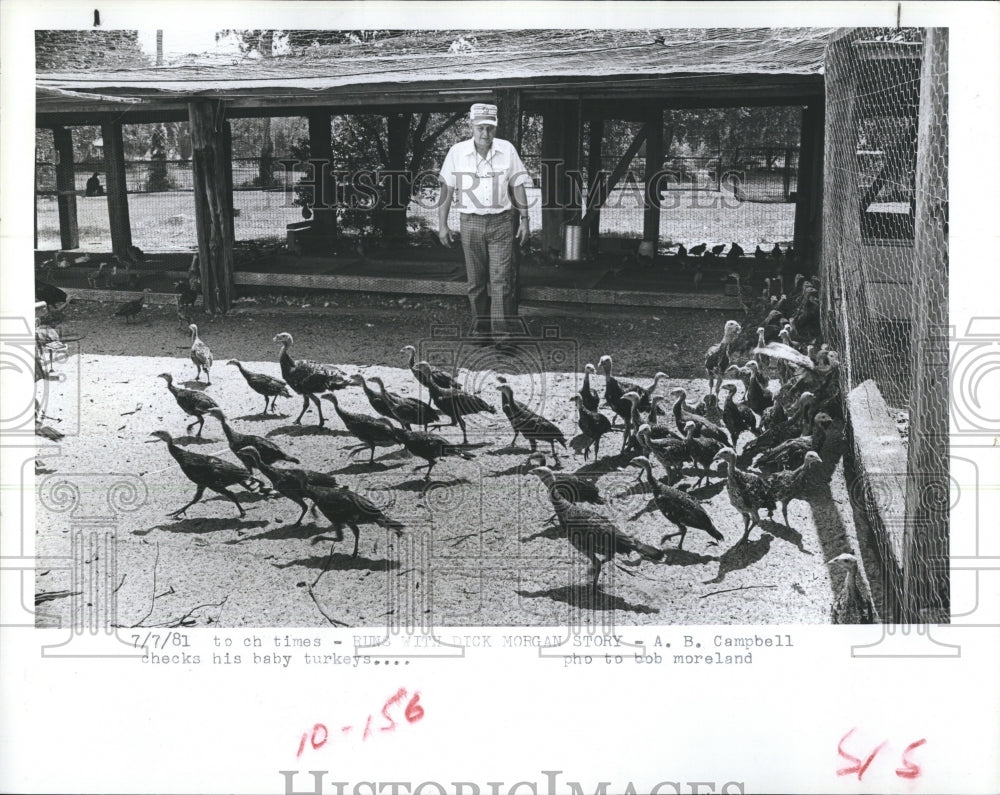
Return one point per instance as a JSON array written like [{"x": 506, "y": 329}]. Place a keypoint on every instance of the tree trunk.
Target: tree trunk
[
  {"x": 509, "y": 116},
  {"x": 212, "y": 205},
  {"x": 69, "y": 230},
  {"x": 265, "y": 172},
  {"x": 114, "y": 165}
]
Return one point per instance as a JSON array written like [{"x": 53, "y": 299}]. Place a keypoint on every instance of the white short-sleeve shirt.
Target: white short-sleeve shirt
[{"x": 482, "y": 183}]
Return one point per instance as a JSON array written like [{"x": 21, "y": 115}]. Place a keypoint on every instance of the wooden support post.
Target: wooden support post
[
  {"x": 808, "y": 191},
  {"x": 928, "y": 489},
  {"x": 595, "y": 165},
  {"x": 553, "y": 129},
  {"x": 212, "y": 205},
  {"x": 393, "y": 222},
  {"x": 654, "y": 163},
  {"x": 560, "y": 155},
  {"x": 227, "y": 153},
  {"x": 573, "y": 155},
  {"x": 114, "y": 166},
  {"x": 321, "y": 148},
  {"x": 69, "y": 230}
]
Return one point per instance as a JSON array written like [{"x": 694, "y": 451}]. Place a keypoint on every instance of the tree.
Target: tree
[
  {"x": 397, "y": 142},
  {"x": 158, "y": 179}
]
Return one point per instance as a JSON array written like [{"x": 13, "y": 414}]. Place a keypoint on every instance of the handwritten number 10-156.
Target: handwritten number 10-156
[{"x": 320, "y": 734}]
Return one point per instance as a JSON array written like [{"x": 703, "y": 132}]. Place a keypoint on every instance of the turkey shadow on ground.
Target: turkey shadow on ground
[
  {"x": 305, "y": 430},
  {"x": 741, "y": 555},
  {"x": 196, "y": 440},
  {"x": 283, "y": 533},
  {"x": 605, "y": 465},
  {"x": 510, "y": 449},
  {"x": 586, "y": 598},
  {"x": 420, "y": 485},
  {"x": 708, "y": 491},
  {"x": 261, "y": 417},
  {"x": 685, "y": 557},
  {"x": 206, "y": 525},
  {"x": 340, "y": 561},
  {"x": 517, "y": 469},
  {"x": 471, "y": 445},
  {"x": 785, "y": 533},
  {"x": 200, "y": 386},
  {"x": 363, "y": 467},
  {"x": 553, "y": 532}
]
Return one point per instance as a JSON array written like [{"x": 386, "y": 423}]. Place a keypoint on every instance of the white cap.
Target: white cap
[{"x": 481, "y": 113}]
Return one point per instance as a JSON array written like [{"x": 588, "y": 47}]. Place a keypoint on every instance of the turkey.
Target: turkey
[
  {"x": 533, "y": 426},
  {"x": 717, "y": 356},
  {"x": 677, "y": 507},
  {"x": 201, "y": 355},
  {"x": 308, "y": 378},
  {"x": 265, "y": 385},
  {"x": 592, "y": 534}
]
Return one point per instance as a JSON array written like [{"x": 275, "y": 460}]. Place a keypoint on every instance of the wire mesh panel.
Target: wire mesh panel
[
  {"x": 872, "y": 84},
  {"x": 712, "y": 190},
  {"x": 884, "y": 270}
]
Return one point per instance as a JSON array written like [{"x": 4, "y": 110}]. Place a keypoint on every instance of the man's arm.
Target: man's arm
[
  {"x": 445, "y": 235},
  {"x": 521, "y": 206}
]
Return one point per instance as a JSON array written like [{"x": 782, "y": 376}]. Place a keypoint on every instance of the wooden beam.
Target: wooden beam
[
  {"x": 114, "y": 166},
  {"x": 321, "y": 148},
  {"x": 69, "y": 230},
  {"x": 654, "y": 162},
  {"x": 681, "y": 90},
  {"x": 212, "y": 205}
]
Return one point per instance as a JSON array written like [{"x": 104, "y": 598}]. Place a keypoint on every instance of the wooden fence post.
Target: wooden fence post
[{"x": 925, "y": 540}]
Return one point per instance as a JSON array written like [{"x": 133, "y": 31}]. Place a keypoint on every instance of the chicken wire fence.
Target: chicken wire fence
[
  {"x": 161, "y": 203},
  {"x": 744, "y": 195},
  {"x": 885, "y": 270}
]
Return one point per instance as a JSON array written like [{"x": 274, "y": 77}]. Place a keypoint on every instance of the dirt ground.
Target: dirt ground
[{"x": 476, "y": 551}]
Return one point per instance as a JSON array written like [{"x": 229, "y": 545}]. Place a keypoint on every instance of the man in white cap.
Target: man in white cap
[{"x": 486, "y": 180}]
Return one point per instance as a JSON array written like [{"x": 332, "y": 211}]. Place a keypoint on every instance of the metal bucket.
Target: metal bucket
[{"x": 573, "y": 249}]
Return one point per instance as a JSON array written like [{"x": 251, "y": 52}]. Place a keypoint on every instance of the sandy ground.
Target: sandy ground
[{"x": 476, "y": 551}]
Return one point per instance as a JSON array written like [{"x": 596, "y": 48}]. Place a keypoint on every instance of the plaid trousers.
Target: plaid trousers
[{"x": 488, "y": 244}]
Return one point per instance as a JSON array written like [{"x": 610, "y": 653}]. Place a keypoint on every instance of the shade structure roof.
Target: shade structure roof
[{"x": 449, "y": 67}]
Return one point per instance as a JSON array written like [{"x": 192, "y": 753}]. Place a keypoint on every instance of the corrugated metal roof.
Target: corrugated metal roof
[{"x": 441, "y": 57}]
